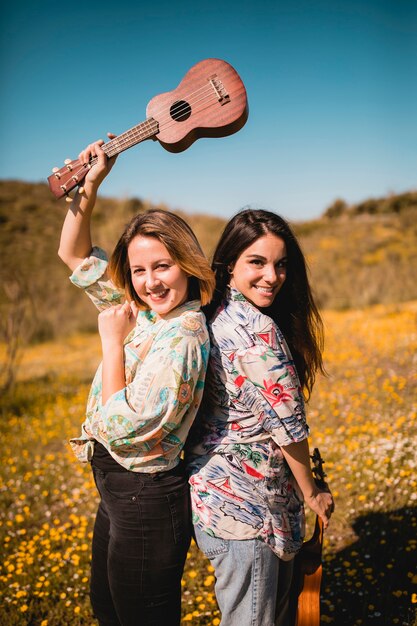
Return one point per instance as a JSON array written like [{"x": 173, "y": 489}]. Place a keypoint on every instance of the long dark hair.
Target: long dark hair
[{"x": 293, "y": 309}]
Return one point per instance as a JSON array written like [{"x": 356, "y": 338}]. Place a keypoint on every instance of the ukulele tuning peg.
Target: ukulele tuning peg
[
  {"x": 55, "y": 169},
  {"x": 68, "y": 199},
  {"x": 67, "y": 161},
  {"x": 80, "y": 190}
]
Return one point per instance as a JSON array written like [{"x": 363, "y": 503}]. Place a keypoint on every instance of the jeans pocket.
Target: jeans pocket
[
  {"x": 180, "y": 515},
  {"x": 209, "y": 545},
  {"x": 117, "y": 485}
]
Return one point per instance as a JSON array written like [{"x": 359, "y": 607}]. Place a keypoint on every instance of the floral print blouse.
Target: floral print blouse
[
  {"x": 241, "y": 485},
  {"x": 144, "y": 426}
]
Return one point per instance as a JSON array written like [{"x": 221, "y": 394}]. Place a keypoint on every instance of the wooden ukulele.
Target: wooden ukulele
[
  {"x": 305, "y": 596},
  {"x": 210, "y": 101}
]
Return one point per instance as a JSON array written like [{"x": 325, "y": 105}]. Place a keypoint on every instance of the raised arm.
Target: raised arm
[{"x": 75, "y": 244}]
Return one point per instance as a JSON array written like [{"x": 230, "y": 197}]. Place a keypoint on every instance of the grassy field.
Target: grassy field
[{"x": 362, "y": 417}]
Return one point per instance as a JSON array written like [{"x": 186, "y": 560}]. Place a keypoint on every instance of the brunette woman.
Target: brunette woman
[
  {"x": 142, "y": 402},
  {"x": 248, "y": 454}
]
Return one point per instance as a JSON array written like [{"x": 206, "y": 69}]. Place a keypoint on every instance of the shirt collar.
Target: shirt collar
[
  {"x": 147, "y": 319},
  {"x": 191, "y": 305},
  {"x": 235, "y": 295},
  {"x": 246, "y": 308},
  {"x": 150, "y": 317},
  {"x": 147, "y": 316}
]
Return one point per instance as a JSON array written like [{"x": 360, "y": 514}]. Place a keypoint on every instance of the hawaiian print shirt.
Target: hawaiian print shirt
[
  {"x": 241, "y": 485},
  {"x": 144, "y": 426}
]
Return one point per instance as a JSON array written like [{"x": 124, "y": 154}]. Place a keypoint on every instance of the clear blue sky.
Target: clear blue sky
[{"x": 332, "y": 88}]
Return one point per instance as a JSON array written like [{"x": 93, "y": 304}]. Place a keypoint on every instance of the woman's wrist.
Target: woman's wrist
[
  {"x": 89, "y": 190},
  {"x": 113, "y": 371},
  {"x": 311, "y": 493},
  {"x": 111, "y": 346}
]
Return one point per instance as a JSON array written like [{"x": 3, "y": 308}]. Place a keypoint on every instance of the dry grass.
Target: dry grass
[{"x": 356, "y": 259}]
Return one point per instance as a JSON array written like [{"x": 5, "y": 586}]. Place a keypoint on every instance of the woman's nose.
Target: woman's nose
[
  {"x": 270, "y": 274},
  {"x": 151, "y": 280}
]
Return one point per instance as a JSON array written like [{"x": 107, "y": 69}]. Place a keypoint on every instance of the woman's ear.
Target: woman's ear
[{"x": 231, "y": 281}]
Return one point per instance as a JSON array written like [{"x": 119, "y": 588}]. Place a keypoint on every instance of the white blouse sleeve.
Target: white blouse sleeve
[{"x": 91, "y": 275}]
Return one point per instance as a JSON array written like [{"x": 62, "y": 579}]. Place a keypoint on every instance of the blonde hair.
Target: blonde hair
[{"x": 182, "y": 245}]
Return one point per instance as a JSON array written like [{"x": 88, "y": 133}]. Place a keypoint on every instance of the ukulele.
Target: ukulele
[
  {"x": 305, "y": 594},
  {"x": 210, "y": 101}
]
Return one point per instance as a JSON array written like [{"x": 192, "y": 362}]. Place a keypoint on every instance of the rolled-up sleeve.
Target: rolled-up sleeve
[
  {"x": 91, "y": 275},
  {"x": 148, "y": 414},
  {"x": 268, "y": 386}
]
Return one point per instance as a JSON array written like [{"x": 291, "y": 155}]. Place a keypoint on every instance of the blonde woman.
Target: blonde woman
[{"x": 142, "y": 403}]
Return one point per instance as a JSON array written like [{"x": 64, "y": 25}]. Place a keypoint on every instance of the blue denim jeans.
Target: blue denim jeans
[
  {"x": 141, "y": 537},
  {"x": 252, "y": 583}
]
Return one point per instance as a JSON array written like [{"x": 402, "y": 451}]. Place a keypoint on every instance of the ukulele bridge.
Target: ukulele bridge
[{"x": 219, "y": 89}]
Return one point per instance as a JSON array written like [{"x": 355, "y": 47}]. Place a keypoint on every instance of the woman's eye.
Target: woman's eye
[
  {"x": 256, "y": 262},
  {"x": 282, "y": 264},
  {"x": 137, "y": 270},
  {"x": 163, "y": 266}
]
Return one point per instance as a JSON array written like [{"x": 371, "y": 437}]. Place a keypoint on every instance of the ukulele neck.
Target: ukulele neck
[{"x": 145, "y": 130}]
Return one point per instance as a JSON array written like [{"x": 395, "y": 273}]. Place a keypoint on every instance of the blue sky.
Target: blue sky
[{"x": 332, "y": 88}]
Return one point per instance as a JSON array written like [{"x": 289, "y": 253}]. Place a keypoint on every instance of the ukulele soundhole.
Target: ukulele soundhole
[{"x": 180, "y": 111}]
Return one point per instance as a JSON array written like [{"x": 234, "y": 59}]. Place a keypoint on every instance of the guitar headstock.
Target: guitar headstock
[
  {"x": 64, "y": 180},
  {"x": 317, "y": 469}
]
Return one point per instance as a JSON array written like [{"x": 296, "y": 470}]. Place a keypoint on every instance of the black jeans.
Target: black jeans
[{"x": 141, "y": 537}]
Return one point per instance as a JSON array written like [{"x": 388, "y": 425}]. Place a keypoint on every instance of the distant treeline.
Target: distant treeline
[
  {"x": 358, "y": 255},
  {"x": 373, "y": 206}
]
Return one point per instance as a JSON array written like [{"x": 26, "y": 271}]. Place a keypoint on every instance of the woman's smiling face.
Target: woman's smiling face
[
  {"x": 261, "y": 270},
  {"x": 157, "y": 279}
]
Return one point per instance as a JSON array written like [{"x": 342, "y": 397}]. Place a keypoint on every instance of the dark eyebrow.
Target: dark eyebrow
[
  {"x": 262, "y": 258},
  {"x": 256, "y": 256}
]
